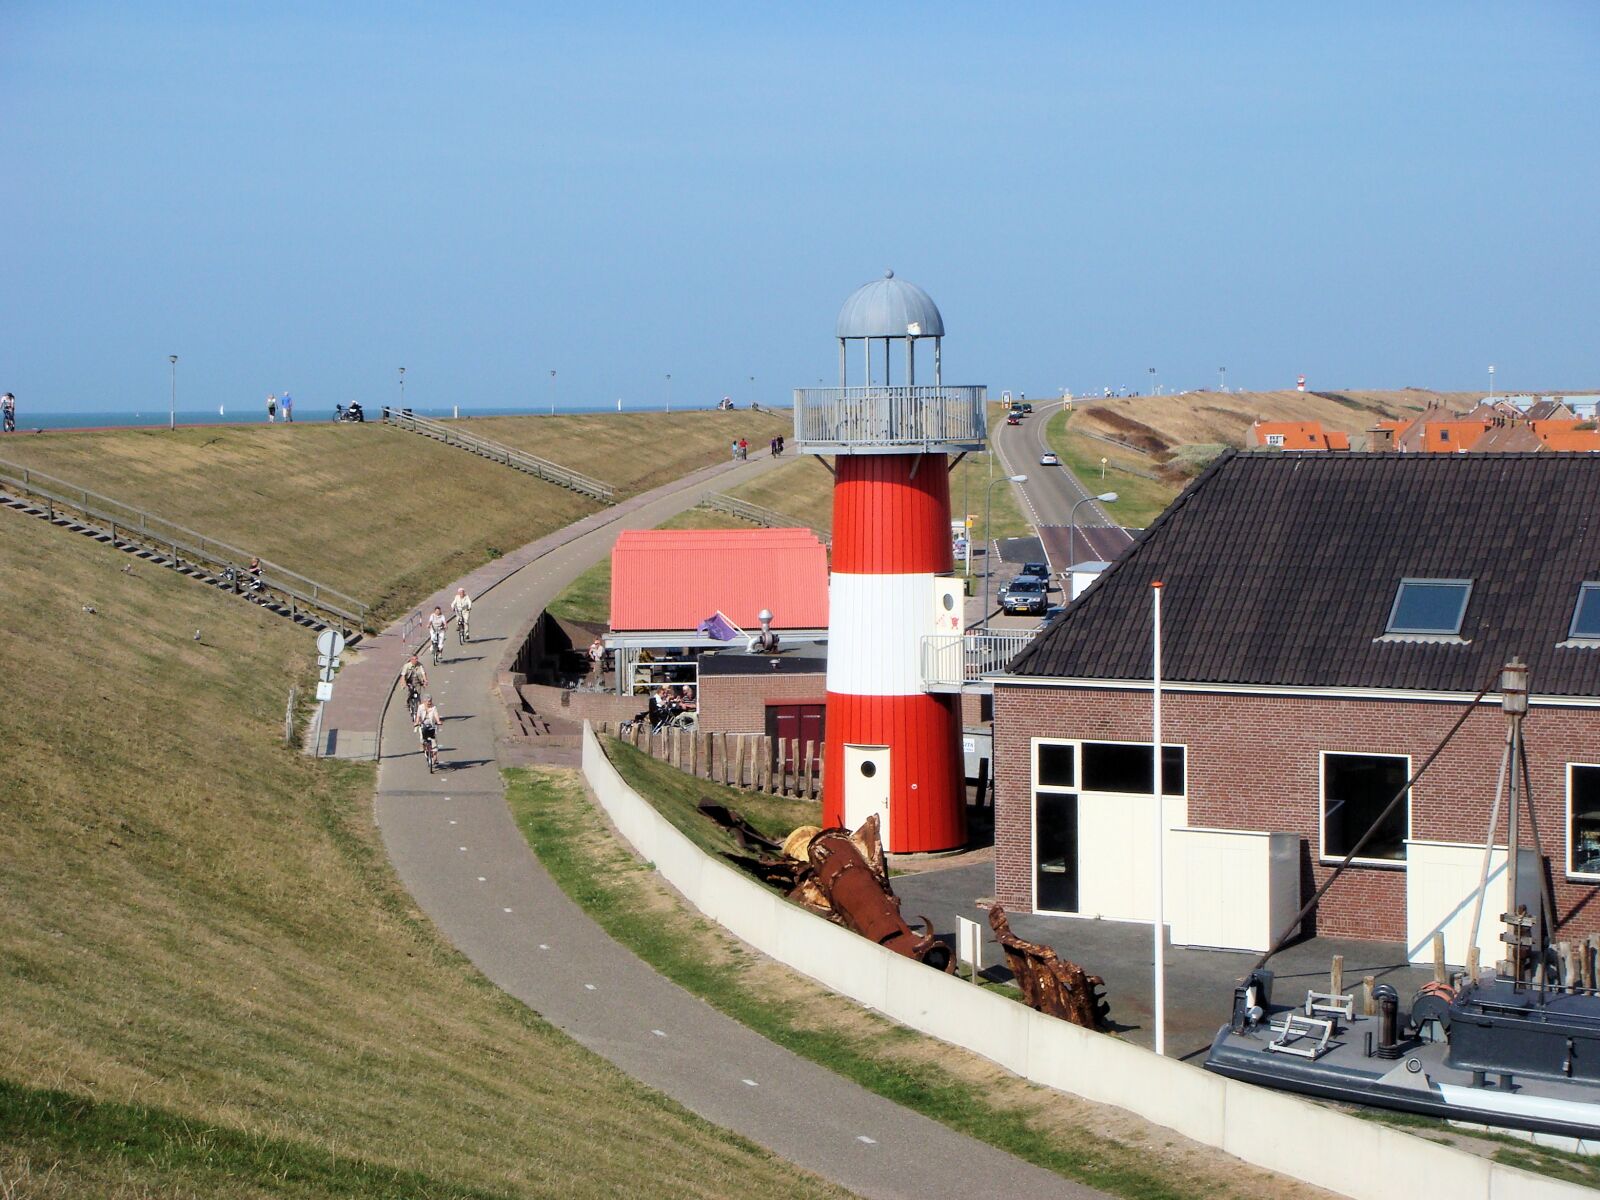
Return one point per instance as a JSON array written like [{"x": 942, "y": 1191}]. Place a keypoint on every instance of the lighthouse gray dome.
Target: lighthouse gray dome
[{"x": 889, "y": 308}]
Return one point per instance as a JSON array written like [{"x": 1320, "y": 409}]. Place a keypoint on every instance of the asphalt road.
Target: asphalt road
[{"x": 1051, "y": 493}]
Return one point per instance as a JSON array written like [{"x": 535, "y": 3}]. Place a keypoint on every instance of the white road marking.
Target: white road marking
[
  {"x": 463, "y": 849},
  {"x": 589, "y": 987},
  {"x": 505, "y": 910},
  {"x": 865, "y": 1140},
  {"x": 483, "y": 879},
  {"x": 452, "y": 822},
  {"x": 659, "y": 1032},
  {"x": 749, "y": 1083},
  {"x": 542, "y": 946}
]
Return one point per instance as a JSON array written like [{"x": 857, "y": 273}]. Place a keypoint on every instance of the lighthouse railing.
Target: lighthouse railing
[
  {"x": 951, "y": 660},
  {"x": 887, "y": 417}
]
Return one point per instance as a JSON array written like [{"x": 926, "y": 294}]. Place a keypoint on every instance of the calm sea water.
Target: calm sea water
[{"x": 257, "y": 415}]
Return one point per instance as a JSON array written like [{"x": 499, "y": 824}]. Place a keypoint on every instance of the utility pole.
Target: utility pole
[
  {"x": 402, "y": 389},
  {"x": 172, "y": 408},
  {"x": 552, "y": 393}
]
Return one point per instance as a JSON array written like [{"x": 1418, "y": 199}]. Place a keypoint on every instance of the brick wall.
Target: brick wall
[
  {"x": 1253, "y": 763},
  {"x": 738, "y": 703}
]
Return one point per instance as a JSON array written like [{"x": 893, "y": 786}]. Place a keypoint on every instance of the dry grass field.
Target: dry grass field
[
  {"x": 213, "y": 984},
  {"x": 385, "y": 515},
  {"x": 635, "y": 451}
]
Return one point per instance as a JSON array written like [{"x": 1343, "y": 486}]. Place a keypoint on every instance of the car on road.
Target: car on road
[
  {"x": 1024, "y": 594},
  {"x": 1035, "y": 570},
  {"x": 1047, "y": 459},
  {"x": 1013, "y": 419},
  {"x": 1026, "y": 407}
]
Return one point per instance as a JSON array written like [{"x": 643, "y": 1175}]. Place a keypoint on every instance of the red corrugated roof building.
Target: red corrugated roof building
[{"x": 673, "y": 579}]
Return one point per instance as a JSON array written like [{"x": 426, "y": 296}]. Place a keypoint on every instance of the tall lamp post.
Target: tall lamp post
[
  {"x": 1072, "y": 538},
  {"x": 1222, "y": 372},
  {"x": 988, "y": 512},
  {"x": 1491, "y": 383},
  {"x": 552, "y": 393},
  {"x": 402, "y": 389},
  {"x": 669, "y": 392},
  {"x": 172, "y": 408},
  {"x": 1152, "y": 381}
]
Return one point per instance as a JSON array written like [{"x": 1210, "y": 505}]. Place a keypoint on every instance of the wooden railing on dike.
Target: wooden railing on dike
[
  {"x": 756, "y": 514},
  {"x": 125, "y": 523},
  {"x": 517, "y": 460}
]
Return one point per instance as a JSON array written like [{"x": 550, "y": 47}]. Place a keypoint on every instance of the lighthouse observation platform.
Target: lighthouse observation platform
[{"x": 890, "y": 420}]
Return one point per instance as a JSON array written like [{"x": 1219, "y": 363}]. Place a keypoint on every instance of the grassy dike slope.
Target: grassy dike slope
[
  {"x": 383, "y": 514},
  {"x": 213, "y": 985}
]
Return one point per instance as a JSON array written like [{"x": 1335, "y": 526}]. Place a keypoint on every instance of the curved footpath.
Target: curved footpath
[{"x": 457, "y": 850}]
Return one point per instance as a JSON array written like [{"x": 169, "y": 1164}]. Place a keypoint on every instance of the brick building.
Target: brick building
[{"x": 1326, "y": 620}]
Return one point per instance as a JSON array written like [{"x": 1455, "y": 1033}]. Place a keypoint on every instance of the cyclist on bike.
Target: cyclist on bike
[
  {"x": 461, "y": 605},
  {"x": 415, "y": 679},
  {"x": 436, "y": 624},
  {"x": 426, "y": 723}
]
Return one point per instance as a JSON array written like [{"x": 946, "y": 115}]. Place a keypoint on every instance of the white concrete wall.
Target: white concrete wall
[{"x": 1275, "y": 1130}]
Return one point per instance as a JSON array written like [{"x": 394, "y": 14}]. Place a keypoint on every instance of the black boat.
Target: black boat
[{"x": 1517, "y": 1047}]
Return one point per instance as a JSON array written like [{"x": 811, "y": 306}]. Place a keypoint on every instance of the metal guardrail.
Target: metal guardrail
[
  {"x": 760, "y": 515},
  {"x": 517, "y": 459},
  {"x": 142, "y": 526},
  {"x": 952, "y": 659},
  {"x": 886, "y": 419}
]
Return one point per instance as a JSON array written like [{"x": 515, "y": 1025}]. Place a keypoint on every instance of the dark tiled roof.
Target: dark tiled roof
[{"x": 1280, "y": 569}]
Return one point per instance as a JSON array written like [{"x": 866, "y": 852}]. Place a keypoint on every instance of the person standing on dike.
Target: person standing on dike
[{"x": 272, "y": 409}]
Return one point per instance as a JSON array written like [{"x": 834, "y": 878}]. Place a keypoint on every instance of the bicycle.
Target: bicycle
[
  {"x": 430, "y": 747},
  {"x": 463, "y": 634},
  {"x": 437, "y": 638},
  {"x": 413, "y": 698}
]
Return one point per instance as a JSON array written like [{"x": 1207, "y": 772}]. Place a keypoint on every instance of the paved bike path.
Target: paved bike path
[{"x": 458, "y": 852}]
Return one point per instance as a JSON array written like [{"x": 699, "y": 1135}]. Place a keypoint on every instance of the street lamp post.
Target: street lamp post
[
  {"x": 669, "y": 393},
  {"x": 1072, "y": 538},
  {"x": 1491, "y": 383},
  {"x": 752, "y": 391},
  {"x": 172, "y": 408},
  {"x": 402, "y": 389},
  {"x": 552, "y": 393},
  {"x": 1223, "y": 373},
  {"x": 988, "y": 563},
  {"x": 1152, "y": 381}
]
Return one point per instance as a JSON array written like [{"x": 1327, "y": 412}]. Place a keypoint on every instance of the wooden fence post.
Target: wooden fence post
[
  {"x": 809, "y": 745},
  {"x": 727, "y": 773}
]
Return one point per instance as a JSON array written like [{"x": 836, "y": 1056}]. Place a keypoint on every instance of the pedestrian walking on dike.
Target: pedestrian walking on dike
[
  {"x": 744, "y": 448},
  {"x": 286, "y": 402},
  {"x": 733, "y": 448},
  {"x": 8, "y": 413},
  {"x": 272, "y": 409}
]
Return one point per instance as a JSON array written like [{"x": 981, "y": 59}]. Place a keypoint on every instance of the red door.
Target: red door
[{"x": 788, "y": 722}]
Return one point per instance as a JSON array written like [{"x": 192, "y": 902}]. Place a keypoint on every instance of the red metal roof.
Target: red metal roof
[{"x": 676, "y": 578}]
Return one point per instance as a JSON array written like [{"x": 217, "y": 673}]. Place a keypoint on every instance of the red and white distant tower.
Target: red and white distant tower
[{"x": 892, "y": 746}]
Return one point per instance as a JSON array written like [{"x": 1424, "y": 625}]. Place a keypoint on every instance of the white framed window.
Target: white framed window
[
  {"x": 1583, "y": 821},
  {"x": 1275, "y": 439},
  {"x": 1063, "y": 770},
  {"x": 1354, "y": 791}
]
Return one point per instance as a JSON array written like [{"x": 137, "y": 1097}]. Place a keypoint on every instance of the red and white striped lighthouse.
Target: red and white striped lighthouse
[{"x": 893, "y": 747}]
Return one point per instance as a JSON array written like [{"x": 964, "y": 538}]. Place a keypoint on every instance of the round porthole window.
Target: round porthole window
[
  {"x": 949, "y": 602},
  {"x": 1413, "y": 1065},
  {"x": 869, "y": 769}
]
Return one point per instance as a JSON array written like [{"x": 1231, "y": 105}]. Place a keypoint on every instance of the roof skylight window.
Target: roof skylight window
[
  {"x": 1431, "y": 607},
  {"x": 1586, "y": 616}
]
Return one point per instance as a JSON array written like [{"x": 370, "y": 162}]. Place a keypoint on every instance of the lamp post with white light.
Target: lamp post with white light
[
  {"x": 402, "y": 389},
  {"x": 988, "y": 513},
  {"x": 669, "y": 392},
  {"x": 1072, "y": 538},
  {"x": 1222, "y": 373},
  {"x": 552, "y": 393},
  {"x": 172, "y": 408},
  {"x": 1152, "y": 381},
  {"x": 1491, "y": 383}
]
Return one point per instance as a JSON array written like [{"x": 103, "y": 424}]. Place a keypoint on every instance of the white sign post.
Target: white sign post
[
  {"x": 330, "y": 644},
  {"x": 969, "y": 945}
]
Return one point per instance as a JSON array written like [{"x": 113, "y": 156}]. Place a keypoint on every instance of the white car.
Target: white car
[{"x": 1049, "y": 460}]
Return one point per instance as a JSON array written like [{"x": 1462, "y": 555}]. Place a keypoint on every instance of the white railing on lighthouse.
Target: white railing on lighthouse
[
  {"x": 886, "y": 419},
  {"x": 953, "y": 660}
]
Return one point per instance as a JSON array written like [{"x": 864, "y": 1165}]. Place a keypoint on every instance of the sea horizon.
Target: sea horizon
[{"x": 255, "y": 414}]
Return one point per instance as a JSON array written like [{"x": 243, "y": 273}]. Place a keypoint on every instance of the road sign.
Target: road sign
[
  {"x": 324, "y": 691},
  {"x": 330, "y": 643}
]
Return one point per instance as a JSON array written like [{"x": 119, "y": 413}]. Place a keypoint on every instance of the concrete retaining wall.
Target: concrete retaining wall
[{"x": 1275, "y": 1130}]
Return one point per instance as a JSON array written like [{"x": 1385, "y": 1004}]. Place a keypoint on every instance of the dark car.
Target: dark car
[
  {"x": 1027, "y": 408},
  {"x": 1036, "y": 570},
  {"x": 1013, "y": 419},
  {"x": 1024, "y": 594}
]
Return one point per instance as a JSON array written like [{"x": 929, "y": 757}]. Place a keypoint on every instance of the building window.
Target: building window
[
  {"x": 1274, "y": 439},
  {"x": 1583, "y": 820},
  {"x": 1125, "y": 767},
  {"x": 1586, "y": 615},
  {"x": 1356, "y": 788},
  {"x": 1430, "y": 606}
]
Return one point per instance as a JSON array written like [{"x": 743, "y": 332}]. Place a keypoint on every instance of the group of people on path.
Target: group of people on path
[
  {"x": 8, "y": 413},
  {"x": 740, "y": 449},
  {"x": 425, "y": 715},
  {"x": 276, "y": 404}
]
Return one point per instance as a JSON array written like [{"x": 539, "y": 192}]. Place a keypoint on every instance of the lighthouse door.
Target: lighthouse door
[{"x": 866, "y": 787}]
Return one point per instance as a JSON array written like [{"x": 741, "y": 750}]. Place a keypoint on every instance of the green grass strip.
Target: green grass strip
[
  {"x": 564, "y": 830},
  {"x": 158, "y": 1148}
]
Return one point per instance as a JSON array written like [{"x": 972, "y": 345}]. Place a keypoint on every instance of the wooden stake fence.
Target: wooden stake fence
[{"x": 753, "y": 761}]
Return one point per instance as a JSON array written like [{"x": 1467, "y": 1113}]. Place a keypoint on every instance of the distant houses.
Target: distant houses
[
  {"x": 1509, "y": 424},
  {"x": 1298, "y": 435}
]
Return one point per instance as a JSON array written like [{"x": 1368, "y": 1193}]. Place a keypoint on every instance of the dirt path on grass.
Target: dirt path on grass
[{"x": 458, "y": 852}]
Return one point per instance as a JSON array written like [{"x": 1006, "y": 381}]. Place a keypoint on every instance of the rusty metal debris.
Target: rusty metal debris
[
  {"x": 1049, "y": 983},
  {"x": 852, "y": 874},
  {"x": 746, "y": 834}
]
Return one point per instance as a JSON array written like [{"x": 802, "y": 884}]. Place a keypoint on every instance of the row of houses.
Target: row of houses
[{"x": 1510, "y": 424}]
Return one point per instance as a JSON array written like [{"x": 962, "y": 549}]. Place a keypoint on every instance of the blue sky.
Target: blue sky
[{"x": 1374, "y": 195}]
